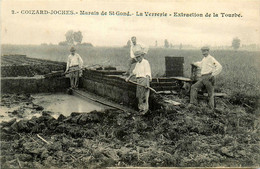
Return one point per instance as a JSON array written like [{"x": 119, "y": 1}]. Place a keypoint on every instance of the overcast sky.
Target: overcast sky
[{"x": 116, "y": 30}]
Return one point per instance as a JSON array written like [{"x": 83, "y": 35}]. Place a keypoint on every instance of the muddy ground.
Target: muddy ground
[{"x": 172, "y": 136}]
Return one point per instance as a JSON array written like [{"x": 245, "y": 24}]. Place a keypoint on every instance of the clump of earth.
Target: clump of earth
[{"x": 171, "y": 136}]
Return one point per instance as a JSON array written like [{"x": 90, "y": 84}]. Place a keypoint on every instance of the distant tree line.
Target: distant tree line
[
  {"x": 166, "y": 44},
  {"x": 74, "y": 38},
  {"x": 236, "y": 43}
]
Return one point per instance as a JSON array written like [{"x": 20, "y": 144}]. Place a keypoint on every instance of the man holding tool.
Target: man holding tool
[
  {"x": 142, "y": 71},
  {"x": 135, "y": 47},
  {"x": 74, "y": 63},
  {"x": 210, "y": 68}
]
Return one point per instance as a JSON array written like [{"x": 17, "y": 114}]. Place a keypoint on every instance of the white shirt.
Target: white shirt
[
  {"x": 142, "y": 69},
  {"x": 137, "y": 47},
  {"x": 209, "y": 65},
  {"x": 74, "y": 60}
]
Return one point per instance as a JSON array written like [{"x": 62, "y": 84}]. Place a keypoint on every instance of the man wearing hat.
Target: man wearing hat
[
  {"x": 142, "y": 71},
  {"x": 74, "y": 63},
  {"x": 210, "y": 68},
  {"x": 134, "y": 48}
]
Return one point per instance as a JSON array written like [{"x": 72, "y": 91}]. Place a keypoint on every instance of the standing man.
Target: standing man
[
  {"x": 74, "y": 64},
  {"x": 135, "y": 47},
  {"x": 142, "y": 71},
  {"x": 210, "y": 68}
]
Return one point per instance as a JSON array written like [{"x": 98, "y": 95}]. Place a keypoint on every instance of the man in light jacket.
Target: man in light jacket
[
  {"x": 210, "y": 68},
  {"x": 74, "y": 64}
]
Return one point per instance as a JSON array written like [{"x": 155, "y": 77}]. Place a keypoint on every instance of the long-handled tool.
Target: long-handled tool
[
  {"x": 166, "y": 99},
  {"x": 62, "y": 73},
  {"x": 84, "y": 67},
  {"x": 143, "y": 86}
]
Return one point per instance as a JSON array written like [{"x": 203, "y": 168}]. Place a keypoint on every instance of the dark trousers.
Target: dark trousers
[{"x": 207, "y": 81}]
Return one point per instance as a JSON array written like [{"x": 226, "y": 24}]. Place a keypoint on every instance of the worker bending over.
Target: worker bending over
[{"x": 142, "y": 71}]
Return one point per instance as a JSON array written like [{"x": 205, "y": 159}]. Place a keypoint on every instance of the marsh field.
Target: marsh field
[
  {"x": 173, "y": 136},
  {"x": 240, "y": 72}
]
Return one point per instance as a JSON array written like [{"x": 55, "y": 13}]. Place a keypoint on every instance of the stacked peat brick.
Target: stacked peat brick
[
  {"x": 18, "y": 75},
  {"x": 174, "y": 66},
  {"x": 20, "y": 65}
]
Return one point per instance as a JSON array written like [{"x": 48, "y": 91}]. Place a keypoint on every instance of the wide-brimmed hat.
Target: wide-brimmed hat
[
  {"x": 72, "y": 49},
  {"x": 139, "y": 53},
  {"x": 205, "y": 48}
]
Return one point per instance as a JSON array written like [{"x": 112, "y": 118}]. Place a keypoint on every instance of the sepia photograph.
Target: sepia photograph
[{"x": 130, "y": 84}]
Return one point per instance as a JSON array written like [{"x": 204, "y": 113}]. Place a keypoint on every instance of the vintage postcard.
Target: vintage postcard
[{"x": 129, "y": 84}]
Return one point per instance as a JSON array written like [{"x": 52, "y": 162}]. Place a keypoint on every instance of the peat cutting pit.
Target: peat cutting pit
[{"x": 168, "y": 136}]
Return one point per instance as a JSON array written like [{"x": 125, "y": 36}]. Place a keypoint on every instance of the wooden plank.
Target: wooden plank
[
  {"x": 167, "y": 92},
  {"x": 164, "y": 79},
  {"x": 118, "y": 76},
  {"x": 172, "y": 102},
  {"x": 102, "y": 100},
  {"x": 216, "y": 94},
  {"x": 163, "y": 83},
  {"x": 182, "y": 79}
]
